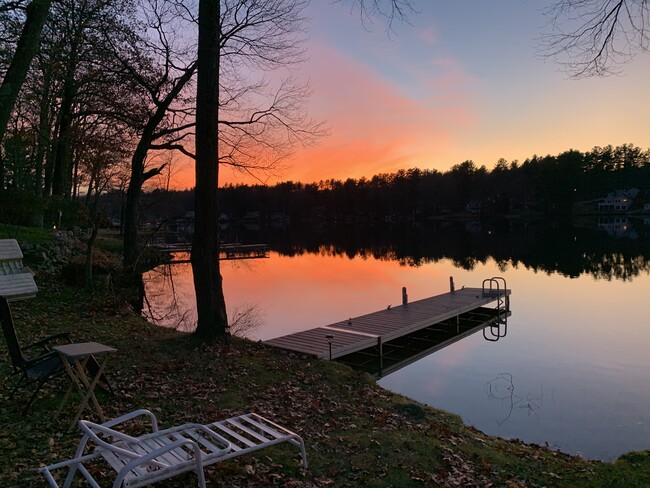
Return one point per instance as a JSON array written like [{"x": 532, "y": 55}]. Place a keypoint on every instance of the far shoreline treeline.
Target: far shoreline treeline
[{"x": 571, "y": 182}]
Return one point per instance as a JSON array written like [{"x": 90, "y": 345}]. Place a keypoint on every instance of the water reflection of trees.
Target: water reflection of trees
[
  {"x": 542, "y": 246},
  {"x": 167, "y": 303},
  {"x": 160, "y": 301}
]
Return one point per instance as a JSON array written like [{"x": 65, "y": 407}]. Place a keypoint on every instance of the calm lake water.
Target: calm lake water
[{"x": 573, "y": 371}]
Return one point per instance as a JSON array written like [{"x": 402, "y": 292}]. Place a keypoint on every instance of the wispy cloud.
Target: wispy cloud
[
  {"x": 375, "y": 125},
  {"x": 428, "y": 35}
]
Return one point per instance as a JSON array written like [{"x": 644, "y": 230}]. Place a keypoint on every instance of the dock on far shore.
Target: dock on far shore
[
  {"x": 227, "y": 250},
  {"x": 372, "y": 330}
]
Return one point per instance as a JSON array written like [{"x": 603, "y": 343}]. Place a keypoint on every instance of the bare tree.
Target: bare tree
[
  {"x": 82, "y": 55},
  {"x": 73, "y": 78},
  {"x": 222, "y": 23},
  {"x": 390, "y": 11},
  {"x": 595, "y": 37},
  {"x": 26, "y": 48},
  {"x": 258, "y": 124},
  {"x": 159, "y": 65},
  {"x": 100, "y": 162}
]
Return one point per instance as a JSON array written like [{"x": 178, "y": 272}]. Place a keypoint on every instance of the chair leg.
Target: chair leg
[
  {"x": 10, "y": 379},
  {"x": 33, "y": 397},
  {"x": 200, "y": 474},
  {"x": 17, "y": 385}
]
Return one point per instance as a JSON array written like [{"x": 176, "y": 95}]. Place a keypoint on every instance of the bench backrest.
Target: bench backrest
[
  {"x": 16, "y": 281},
  {"x": 11, "y": 257},
  {"x": 10, "y": 250}
]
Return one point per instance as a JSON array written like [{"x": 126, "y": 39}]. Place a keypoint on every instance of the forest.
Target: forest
[
  {"x": 571, "y": 182},
  {"x": 548, "y": 185}
]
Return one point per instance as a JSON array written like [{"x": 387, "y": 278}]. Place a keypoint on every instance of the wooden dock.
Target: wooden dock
[
  {"x": 403, "y": 351},
  {"x": 227, "y": 251},
  {"x": 374, "y": 329}
]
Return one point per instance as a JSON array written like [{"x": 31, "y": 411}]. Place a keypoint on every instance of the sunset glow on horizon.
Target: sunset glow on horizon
[{"x": 457, "y": 84}]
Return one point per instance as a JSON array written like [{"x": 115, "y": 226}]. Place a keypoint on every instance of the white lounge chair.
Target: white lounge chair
[{"x": 162, "y": 454}]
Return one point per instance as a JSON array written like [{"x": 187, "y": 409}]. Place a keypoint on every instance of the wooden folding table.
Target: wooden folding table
[{"x": 75, "y": 360}]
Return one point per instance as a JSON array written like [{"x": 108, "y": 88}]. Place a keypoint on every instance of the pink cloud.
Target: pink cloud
[{"x": 375, "y": 125}]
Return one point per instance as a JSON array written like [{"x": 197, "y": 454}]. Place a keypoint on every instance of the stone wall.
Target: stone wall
[{"x": 50, "y": 257}]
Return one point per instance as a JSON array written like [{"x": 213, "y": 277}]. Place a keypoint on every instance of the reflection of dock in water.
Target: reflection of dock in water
[
  {"x": 227, "y": 251},
  {"x": 401, "y": 352},
  {"x": 441, "y": 315}
]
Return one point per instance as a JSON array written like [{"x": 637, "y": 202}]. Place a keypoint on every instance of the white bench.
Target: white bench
[{"x": 16, "y": 281}]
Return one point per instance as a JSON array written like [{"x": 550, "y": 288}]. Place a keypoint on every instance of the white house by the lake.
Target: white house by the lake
[{"x": 618, "y": 201}]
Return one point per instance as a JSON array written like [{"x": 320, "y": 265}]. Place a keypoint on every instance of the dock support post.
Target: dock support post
[
  {"x": 405, "y": 297},
  {"x": 381, "y": 353},
  {"x": 330, "y": 338},
  {"x": 451, "y": 284}
]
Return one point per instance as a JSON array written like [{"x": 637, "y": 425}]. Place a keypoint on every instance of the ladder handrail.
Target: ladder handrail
[
  {"x": 502, "y": 307},
  {"x": 503, "y": 301}
]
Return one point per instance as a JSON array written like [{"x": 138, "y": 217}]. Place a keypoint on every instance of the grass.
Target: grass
[
  {"x": 109, "y": 241},
  {"x": 357, "y": 434},
  {"x": 25, "y": 234}
]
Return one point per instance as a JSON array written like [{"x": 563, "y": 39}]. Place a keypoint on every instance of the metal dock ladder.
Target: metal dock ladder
[{"x": 496, "y": 286}]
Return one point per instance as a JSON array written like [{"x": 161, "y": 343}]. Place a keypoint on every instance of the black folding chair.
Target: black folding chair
[{"x": 38, "y": 369}]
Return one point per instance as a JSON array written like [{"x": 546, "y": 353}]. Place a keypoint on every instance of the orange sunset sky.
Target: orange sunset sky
[{"x": 463, "y": 81}]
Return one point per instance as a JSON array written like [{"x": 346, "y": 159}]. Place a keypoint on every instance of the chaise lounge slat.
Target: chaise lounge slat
[
  {"x": 272, "y": 432},
  {"x": 203, "y": 441},
  {"x": 248, "y": 431},
  {"x": 175, "y": 456},
  {"x": 244, "y": 442},
  {"x": 10, "y": 250}
]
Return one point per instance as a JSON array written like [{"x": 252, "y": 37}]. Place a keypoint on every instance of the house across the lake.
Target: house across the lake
[{"x": 618, "y": 201}]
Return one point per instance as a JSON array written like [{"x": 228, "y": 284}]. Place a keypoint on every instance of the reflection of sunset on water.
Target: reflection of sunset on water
[
  {"x": 314, "y": 290},
  {"x": 297, "y": 293}
]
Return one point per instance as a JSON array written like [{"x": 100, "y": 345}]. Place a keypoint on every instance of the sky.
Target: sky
[{"x": 462, "y": 81}]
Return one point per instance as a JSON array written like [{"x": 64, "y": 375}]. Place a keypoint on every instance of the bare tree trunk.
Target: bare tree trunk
[
  {"x": 44, "y": 124},
  {"x": 130, "y": 217},
  {"x": 138, "y": 174},
  {"x": 210, "y": 303},
  {"x": 25, "y": 50},
  {"x": 61, "y": 179},
  {"x": 138, "y": 177}
]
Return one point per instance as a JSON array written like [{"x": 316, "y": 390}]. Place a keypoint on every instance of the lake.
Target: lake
[{"x": 572, "y": 372}]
